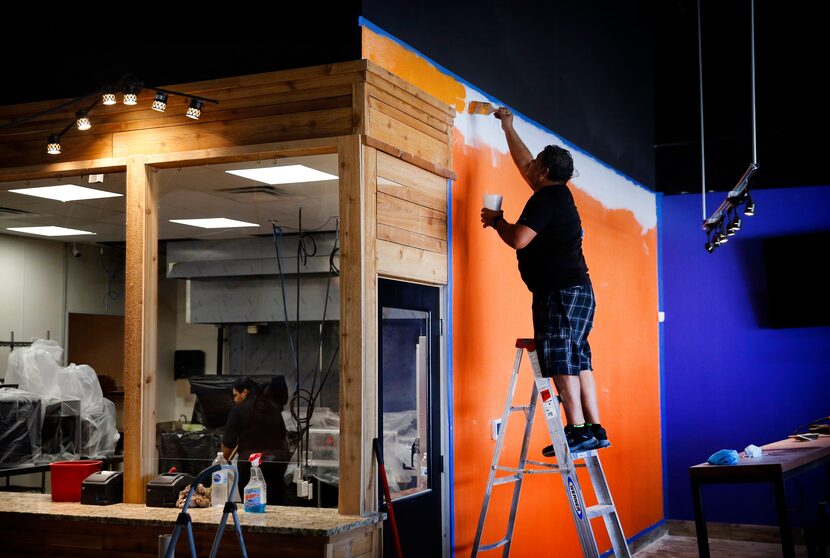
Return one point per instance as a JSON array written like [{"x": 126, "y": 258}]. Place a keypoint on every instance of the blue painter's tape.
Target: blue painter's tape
[
  {"x": 639, "y": 535},
  {"x": 449, "y": 337}
]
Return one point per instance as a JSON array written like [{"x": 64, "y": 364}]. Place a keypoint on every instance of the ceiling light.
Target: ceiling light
[
  {"x": 216, "y": 223},
  {"x": 108, "y": 99},
  {"x": 82, "y": 120},
  {"x": 54, "y": 145},
  {"x": 289, "y": 174},
  {"x": 194, "y": 111},
  {"x": 130, "y": 95},
  {"x": 66, "y": 192},
  {"x": 49, "y": 231},
  {"x": 749, "y": 208},
  {"x": 160, "y": 102}
]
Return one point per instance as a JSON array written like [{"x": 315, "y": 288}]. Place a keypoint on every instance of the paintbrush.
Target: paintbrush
[{"x": 480, "y": 107}]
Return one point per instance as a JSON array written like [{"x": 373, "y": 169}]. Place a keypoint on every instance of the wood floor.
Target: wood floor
[{"x": 686, "y": 547}]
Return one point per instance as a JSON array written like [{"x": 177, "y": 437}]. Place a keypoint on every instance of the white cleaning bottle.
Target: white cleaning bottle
[
  {"x": 219, "y": 482},
  {"x": 255, "y": 491}
]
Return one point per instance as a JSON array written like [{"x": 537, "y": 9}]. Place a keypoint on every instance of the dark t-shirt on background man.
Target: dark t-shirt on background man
[
  {"x": 256, "y": 429},
  {"x": 553, "y": 260}
]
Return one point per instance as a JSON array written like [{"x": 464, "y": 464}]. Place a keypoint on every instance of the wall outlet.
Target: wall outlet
[{"x": 495, "y": 426}]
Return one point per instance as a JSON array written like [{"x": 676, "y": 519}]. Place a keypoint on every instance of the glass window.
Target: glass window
[
  {"x": 249, "y": 312},
  {"x": 63, "y": 255},
  {"x": 405, "y": 400}
]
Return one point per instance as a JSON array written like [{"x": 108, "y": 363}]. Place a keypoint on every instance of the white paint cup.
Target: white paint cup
[{"x": 492, "y": 201}]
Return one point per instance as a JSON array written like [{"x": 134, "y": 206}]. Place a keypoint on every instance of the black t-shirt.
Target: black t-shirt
[
  {"x": 553, "y": 259},
  {"x": 257, "y": 426}
]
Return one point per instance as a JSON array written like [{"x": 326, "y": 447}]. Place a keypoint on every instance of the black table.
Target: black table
[
  {"x": 780, "y": 461},
  {"x": 43, "y": 468}
]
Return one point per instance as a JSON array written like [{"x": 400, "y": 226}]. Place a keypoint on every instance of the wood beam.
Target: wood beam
[
  {"x": 358, "y": 326},
  {"x": 140, "y": 328},
  {"x": 93, "y": 166},
  {"x": 218, "y": 155}
]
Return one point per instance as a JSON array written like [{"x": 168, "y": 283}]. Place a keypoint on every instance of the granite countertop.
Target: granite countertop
[{"x": 276, "y": 519}]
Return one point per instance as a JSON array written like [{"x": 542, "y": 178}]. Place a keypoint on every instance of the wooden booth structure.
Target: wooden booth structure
[{"x": 394, "y": 148}]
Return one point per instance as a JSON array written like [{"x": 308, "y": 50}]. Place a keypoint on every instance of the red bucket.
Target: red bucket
[{"x": 67, "y": 477}]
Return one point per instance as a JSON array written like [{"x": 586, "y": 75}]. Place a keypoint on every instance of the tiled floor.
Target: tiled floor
[{"x": 686, "y": 547}]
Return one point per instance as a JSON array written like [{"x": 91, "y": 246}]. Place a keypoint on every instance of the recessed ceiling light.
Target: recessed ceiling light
[
  {"x": 49, "y": 231},
  {"x": 289, "y": 174},
  {"x": 217, "y": 223},
  {"x": 66, "y": 192}
]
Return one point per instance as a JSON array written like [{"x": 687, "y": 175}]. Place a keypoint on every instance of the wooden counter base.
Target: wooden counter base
[{"x": 30, "y": 525}]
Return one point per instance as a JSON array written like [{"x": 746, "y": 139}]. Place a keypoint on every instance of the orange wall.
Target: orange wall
[{"x": 491, "y": 308}]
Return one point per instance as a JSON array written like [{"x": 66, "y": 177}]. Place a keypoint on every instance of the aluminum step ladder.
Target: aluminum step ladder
[{"x": 566, "y": 468}]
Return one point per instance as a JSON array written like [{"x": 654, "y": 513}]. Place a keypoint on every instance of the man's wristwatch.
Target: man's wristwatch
[{"x": 496, "y": 220}]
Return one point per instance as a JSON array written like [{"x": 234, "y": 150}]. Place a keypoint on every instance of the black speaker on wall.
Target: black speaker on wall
[{"x": 188, "y": 363}]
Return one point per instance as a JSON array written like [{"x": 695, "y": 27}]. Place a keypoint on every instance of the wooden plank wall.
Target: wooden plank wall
[
  {"x": 412, "y": 222},
  {"x": 305, "y": 103},
  {"x": 413, "y": 133}
]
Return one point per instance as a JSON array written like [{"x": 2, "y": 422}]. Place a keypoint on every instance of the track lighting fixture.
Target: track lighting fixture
[
  {"x": 130, "y": 87},
  {"x": 160, "y": 102},
  {"x": 82, "y": 120},
  {"x": 54, "y": 145},
  {"x": 194, "y": 111},
  {"x": 720, "y": 219}
]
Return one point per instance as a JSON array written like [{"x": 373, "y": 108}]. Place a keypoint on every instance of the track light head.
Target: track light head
[
  {"x": 108, "y": 98},
  {"x": 749, "y": 208},
  {"x": 82, "y": 120},
  {"x": 131, "y": 94},
  {"x": 53, "y": 147},
  {"x": 160, "y": 102},
  {"x": 194, "y": 111}
]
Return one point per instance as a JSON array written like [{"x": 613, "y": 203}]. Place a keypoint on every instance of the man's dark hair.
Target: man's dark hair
[
  {"x": 245, "y": 383},
  {"x": 559, "y": 163}
]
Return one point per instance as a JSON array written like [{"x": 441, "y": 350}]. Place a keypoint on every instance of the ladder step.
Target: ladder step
[
  {"x": 520, "y": 408},
  {"x": 497, "y": 544},
  {"x": 600, "y": 510},
  {"x": 505, "y": 480},
  {"x": 543, "y": 464}
]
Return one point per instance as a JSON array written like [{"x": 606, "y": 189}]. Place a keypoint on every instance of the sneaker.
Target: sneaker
[
  {"x": 601, "y": 436},
  {"x": 579, "y": 439}
]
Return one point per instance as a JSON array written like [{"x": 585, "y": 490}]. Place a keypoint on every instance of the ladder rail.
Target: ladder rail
[
  {"x": 514, "y": 504},
  {"x": 505, "y": 417},
  {"x": 603, "y": 493}
]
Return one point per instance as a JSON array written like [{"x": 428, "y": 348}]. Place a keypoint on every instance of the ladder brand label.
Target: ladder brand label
[
  {"x": 574, "y": 497},
  {"x": 545, "y": 393}
]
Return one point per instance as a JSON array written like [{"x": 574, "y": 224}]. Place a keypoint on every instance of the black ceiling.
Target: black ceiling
[
  {"x": 617, "y": 79},
  {"x": 791, "y": 52}
]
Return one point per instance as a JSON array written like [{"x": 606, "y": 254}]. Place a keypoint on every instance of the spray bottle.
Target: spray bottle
[{"x": 255, "y": 490}]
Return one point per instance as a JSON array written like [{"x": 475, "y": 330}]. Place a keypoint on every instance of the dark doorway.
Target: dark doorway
[{"x": 410, "y": 417}]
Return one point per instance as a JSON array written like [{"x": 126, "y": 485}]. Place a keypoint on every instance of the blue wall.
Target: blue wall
[{"x": 729, "y": 380}]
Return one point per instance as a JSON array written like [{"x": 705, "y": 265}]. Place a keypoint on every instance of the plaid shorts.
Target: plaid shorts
[{"x": 562, "y": 321}]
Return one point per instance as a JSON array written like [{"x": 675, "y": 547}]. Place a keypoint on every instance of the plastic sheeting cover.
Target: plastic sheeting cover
[
  {"x": 75, "y": 418},
  {"x": 20, "y": 423}
]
